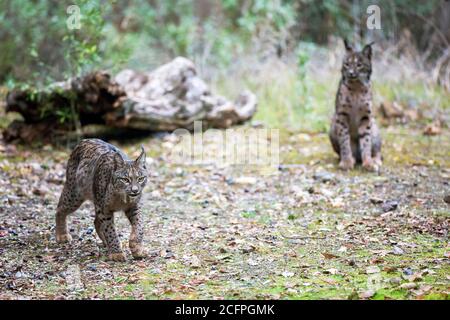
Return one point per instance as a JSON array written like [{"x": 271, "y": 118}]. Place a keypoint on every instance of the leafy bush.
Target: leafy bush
[{"x": 37, "y": 46}]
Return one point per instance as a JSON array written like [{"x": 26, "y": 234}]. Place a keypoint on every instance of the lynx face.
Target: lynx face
[
  {"x": 357, "y": 65},
  {"x": 131, "y": 176}
]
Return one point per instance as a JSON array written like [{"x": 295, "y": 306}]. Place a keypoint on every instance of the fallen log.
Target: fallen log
[{"x": 170, "y": 97}]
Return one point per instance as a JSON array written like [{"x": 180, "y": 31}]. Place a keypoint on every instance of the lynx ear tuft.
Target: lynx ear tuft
[
  {"x": 348, "y": 46},
  {"x": 367, "y": 50},
  {"x": 141, "y": 159}
]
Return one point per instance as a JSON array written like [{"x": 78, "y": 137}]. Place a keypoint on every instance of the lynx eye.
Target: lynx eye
[
  {"x": 124, "y": 180},
  {"x": 141, "y": 179}
]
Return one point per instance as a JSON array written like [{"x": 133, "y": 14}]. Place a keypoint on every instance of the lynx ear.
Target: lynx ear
[
  {"x": 119, "y": 159},
  {"x": 141, "y": 159},
  {"x": 347, "y": 45},
  {"x": 367, "y": 50}
]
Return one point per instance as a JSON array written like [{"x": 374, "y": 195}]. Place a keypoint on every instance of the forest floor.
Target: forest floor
[{"x": 221, "y": 232}]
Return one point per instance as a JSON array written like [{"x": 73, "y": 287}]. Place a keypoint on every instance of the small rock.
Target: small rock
[
  {"x": 395, "y": 280},
  {"x": 257, "y": 124},
  {"x": 291, "y": 291},
  {"x": 245, "y": 180},
  {"x": 288, "y": 274},
  {"x": 376, "y": 200},
  {"x": 372, "y": 269},
  {"x": 252, "y": 262},
  {"x": 325, "y": 192},
  {"x": 179, "y": 172},
  {"x": 229, "y": 181},
  {"x": 398, "y": 251},
  {"x": 409, "y": 285},
  {"x": 156, "y": 194},
  {"x": 92, "y": 267},
  {"x": 407, "y": 271},
  {"x": 323, "y": 176},
  {"x": 447, "y": 199},
  {"x": 36, "y": 168},
  {"x": 342, "y": 249},
  {"x": 367, "y": 294},
  {"x": 389, "y": 206}
]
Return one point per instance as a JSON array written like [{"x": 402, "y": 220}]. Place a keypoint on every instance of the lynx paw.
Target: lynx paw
[
  {"x": 119, "y": 257},
  {"x": 139, "y": 254},
  {"x": 378, "y": 162},
  {"x": 63, "y": 238},
  {"x": 347, "y": 164},
  {"x": 137, "y": 251},
  {"x": 370, "y": 165}
]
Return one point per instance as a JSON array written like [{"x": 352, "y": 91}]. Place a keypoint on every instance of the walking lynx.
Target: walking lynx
[
  {"x": 100, "y": 172},
  {"x": 354, "y": 134}
]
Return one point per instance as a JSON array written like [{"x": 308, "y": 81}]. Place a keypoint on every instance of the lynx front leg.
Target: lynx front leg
[
  {"x": 62, "y": 235},
  {"x": 134, "y": 215},
  {"x": 343, "y": 136},
  {"x": 376, "y": 146},
  {"x": 68, "y": 203},
  {"x": 107, "y": 231},
  {"x": 365, "y": 141},
  {"x": 97, "y": 224}
]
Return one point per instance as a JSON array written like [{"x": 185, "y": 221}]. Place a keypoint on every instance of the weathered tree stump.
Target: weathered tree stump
[{"x": 170, "y": 97}]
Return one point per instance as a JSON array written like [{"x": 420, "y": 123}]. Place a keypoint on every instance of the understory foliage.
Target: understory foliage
[
  {"x": 37, "y": 45},
  {"x": 234, "y": 44}
]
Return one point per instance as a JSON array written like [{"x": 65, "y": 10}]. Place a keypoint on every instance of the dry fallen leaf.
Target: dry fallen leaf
[
  {"x": 433, "y": 129},
  {"x": 330, "y": 281},
  {"x": 328, "y": 255},
  {"x": 367, "y": 294}
]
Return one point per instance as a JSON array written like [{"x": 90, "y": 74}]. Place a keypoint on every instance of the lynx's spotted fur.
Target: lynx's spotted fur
[
  {"x": 354, "y": 134},
  {"x": 100, "y": 172}
]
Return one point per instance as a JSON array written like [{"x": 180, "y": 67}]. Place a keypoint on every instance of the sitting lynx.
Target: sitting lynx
[
  {"x": 100, "y": 172},
  {"x": 354, "y": 133}
]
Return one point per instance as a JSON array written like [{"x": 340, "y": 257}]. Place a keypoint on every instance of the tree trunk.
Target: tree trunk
[{"x": 170, "y": 97}]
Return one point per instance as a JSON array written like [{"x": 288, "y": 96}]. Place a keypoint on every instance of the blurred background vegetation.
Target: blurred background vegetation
[{"x": 287, "y": 51}]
